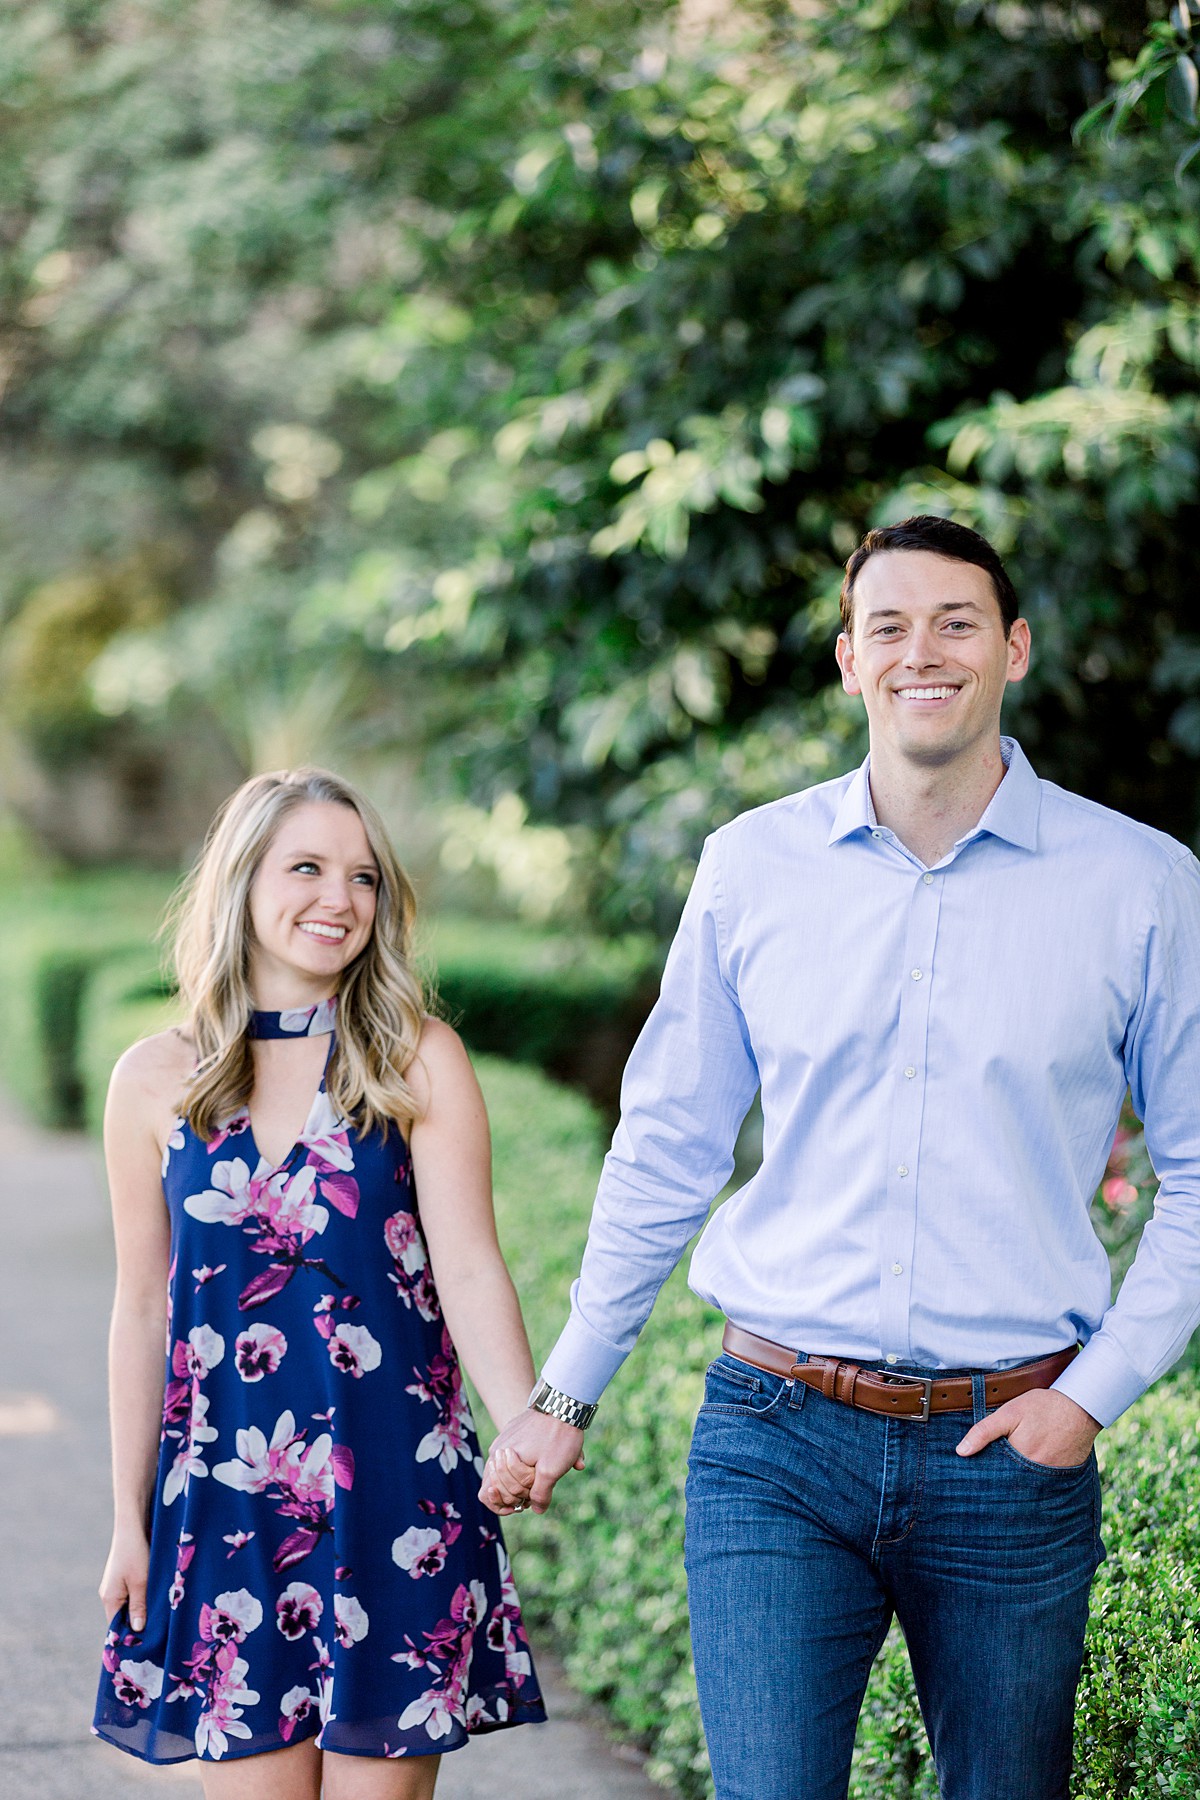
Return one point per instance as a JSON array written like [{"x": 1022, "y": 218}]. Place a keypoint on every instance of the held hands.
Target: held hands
[
  {"x": 529, "y": 1456},
  {"x": 1043, "y": 1426},
  {"x": 124, "y": 1577}
]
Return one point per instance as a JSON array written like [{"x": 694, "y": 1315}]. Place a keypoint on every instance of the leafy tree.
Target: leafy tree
[{"x": 524, "y": 374}]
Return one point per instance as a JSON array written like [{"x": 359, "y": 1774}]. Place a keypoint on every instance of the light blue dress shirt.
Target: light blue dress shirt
[{"x": 943, "y": 1055}]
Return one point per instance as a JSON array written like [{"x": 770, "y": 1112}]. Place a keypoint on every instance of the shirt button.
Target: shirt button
[
  {"x": 916, "y": 974},
  {"x": 909, "y": 1072},
  {"x": 877, "y": 834},
  {"x": 903, "y": 1169},
  {"x": 897, "y": 1268},
  {"x": 927, "y": 879},
  {"x": 892, "y": 1359}
]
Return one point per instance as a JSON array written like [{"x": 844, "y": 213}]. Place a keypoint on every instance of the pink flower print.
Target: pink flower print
[
  {"x": 237, "y": 1123},
  {"x": 403, "y": 1240},
  {"x": 451, "y": 1642},
  {"x": 420, "y": 1551},
  {"x": 295, "y": 1706},
  {"x": 259, "y": 1351},
  {"x": 238, "y": 1539},
  {"x": 222, "y": 1719},
  {"x": 411, "y": 1277},
  {"x": 230, "y": 1617},
  {"x": 449, "y": 1514},
  {"x": 354, "y": 1351},
  {"x": 303, "y": 1478},
  {"x": 352, "y": 1623},
  {"x": 183, "y": 1556},
  {"x": 298, "y": 1609},
  {"x": 449, "y": 1439},
  {"x": 137, "y": 1684},
  {"x": 203, "y": 1275},
  {"x": 289, "y": 1207}
]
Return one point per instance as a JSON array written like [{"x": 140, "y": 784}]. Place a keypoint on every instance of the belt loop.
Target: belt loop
[
  {"x": 978, "y": 1397},
  {"x": 829, "y": 1377}
]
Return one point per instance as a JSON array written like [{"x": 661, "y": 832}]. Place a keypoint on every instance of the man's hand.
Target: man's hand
[
  {"x": 1043, "y": 1425},
  {"x": 529, "y": 1456}
]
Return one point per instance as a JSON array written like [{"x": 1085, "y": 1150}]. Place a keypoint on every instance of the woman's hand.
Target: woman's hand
[
  {"x": 124, "y": 1579},
  {"x": 530, "y": 1455}
]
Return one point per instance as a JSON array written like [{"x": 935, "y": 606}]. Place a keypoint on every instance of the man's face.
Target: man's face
[{"x": 929, "y": 656}]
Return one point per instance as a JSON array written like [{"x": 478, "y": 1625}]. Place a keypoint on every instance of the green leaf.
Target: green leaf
[{"x": 1183, "y": 89}]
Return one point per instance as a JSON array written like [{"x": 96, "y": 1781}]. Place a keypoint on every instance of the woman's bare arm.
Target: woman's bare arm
[
  {"x": 137, "y": 1120},
  {"x": 452, "y": 1168}
]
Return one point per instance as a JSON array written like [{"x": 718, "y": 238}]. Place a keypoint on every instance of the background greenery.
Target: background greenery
[
  {"x": 484, "y": 395},
  {"x": 499, "y": 386}
]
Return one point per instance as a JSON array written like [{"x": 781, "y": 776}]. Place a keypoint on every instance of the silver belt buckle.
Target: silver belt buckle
[{"x": 924, "y": 1382}]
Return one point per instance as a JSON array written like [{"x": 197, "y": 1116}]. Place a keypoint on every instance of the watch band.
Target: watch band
[{"x": 552, "y": 1400}]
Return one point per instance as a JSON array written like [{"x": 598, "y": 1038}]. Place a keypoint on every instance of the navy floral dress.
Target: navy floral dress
[{"x": 320, "y": 1563}]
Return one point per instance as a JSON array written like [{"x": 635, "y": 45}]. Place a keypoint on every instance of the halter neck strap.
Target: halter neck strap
[{"x": 295, "y": 1022}]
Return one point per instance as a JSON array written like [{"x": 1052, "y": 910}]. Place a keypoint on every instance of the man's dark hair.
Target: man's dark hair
[{"x": 942, "y": 537}]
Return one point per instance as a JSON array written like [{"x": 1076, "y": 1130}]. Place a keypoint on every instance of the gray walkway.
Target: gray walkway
[{"x": 54, "y": 1502}]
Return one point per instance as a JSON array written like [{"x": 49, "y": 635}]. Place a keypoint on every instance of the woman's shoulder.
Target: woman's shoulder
[
  {"x": 155, "y": 1068},
  {"x": 440, "y": 1057}
]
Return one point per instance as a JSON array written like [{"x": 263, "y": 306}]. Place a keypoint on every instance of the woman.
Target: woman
[{"x": 303, "y": 1586}]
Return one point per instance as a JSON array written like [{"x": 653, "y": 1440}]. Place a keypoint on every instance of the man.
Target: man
[{"x": 943, "y": 973}]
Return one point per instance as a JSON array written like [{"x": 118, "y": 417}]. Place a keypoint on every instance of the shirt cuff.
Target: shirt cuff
[
  {"x": 581, "y": 1363},
  {"x": 1102, "y": 1380}
]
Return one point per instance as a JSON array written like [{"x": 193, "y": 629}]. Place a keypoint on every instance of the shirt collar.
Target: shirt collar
[{"x": 1012, "y": 812}]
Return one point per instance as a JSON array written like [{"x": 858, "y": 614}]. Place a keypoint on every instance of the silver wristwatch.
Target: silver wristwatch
[{"x": 551, "y": 1400}]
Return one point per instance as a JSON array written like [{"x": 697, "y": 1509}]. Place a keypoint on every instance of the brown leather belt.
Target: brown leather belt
[{"x": 895, "y": 1396}]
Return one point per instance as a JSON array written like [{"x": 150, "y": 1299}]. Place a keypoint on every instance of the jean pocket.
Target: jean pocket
[
  {"x": 731, "y": 1386},
  {"x": 1052, "y": 1470}
]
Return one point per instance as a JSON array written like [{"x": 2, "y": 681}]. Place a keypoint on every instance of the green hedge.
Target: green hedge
[
  {"x": 54, "y": 932},
  {"x": 602, "y": 1572},
  {"x": 571, "y": 1005}
]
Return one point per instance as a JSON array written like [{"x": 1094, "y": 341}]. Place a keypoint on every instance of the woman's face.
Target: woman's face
[{"x": 312, "y": 902}]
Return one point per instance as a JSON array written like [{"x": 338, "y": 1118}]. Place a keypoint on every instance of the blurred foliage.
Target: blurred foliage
[
  {"x": 50, "y": 649},
  {"x": 519, "y": 375}
]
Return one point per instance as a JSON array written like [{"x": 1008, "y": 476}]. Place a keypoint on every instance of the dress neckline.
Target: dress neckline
[{"x": 295, "y": 1021}]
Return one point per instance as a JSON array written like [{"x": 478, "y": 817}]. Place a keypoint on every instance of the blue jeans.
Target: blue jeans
[{"x": 809, "y": 1524}]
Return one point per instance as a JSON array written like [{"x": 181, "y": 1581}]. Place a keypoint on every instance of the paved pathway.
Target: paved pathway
[{"x": 54, "y": 1501}]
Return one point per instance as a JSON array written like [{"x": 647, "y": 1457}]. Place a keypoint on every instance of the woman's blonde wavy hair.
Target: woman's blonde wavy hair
[{"x": 381, "y": 1002}]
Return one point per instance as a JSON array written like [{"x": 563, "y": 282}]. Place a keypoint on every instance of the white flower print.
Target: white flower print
[
  {"x": 310, "y": 1021},
  {"x": 420, "y": 1551},
  {"x": 298, "y": 1609},
  {"x": 296, "y": 1705},
  {"x": 352, "y": 1621},
  {"x": 205, "y": 1349},
  {"x": 137, "y": 1684},
  {"x": 353, "y": 1350},
  {"x": 326, "y": 1135},
  {"x": 231, "y": 1616},
  {"x": 189, "y": 1461},
  {"x": 259, "y": 1351},
  {"x": 229, "y": 1200},
  {"x": 222, "y": 1717},
  {"x": 174, "y": 1142},
  {"x": 435, "y": 1710}
]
